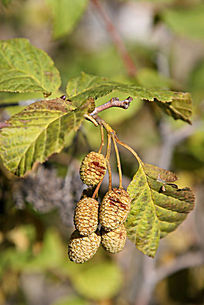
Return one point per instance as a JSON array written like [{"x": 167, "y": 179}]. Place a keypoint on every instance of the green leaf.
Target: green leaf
[
  {"x": 71, "y": 301},
  {"x": 158, "y": 206},
  {"x": 152, "y": 79},
  {"x": 98, "y": 281},
  {"x": 50, "y": 256},
  {"x": 66, "y": 14},
  {"x": 187, "y": 22},
  {"x": 6, "y": 2},
  {"x": 176, "y": 104},
  {"x": 24, "y": 68},
  {"x": 37, "y": 132},
  {"x": 196, "y": 81},
  {"x": 195, "y": 143}
]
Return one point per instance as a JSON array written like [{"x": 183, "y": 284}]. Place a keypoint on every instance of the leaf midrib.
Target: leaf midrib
[{"x": 151, "y": 193}]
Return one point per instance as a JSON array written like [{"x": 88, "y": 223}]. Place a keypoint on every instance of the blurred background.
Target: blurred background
[{"x": 152, "y": 43}]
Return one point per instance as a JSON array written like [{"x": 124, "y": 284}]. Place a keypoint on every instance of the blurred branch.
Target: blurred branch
[
  {"x": 153, "y": 275},
  {"x": 119, "y": 44},
  {"x": 171, "y": 139}
]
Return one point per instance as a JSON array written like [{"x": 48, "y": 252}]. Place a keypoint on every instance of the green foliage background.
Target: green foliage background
[{"x": 34, "y": 229}]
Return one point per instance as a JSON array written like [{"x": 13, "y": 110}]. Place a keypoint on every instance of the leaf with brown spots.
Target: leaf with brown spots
[
  {"x": 158, "y": 206},
  {"x": 25, "y": 68},
  {"x": 37, "y": 132}
]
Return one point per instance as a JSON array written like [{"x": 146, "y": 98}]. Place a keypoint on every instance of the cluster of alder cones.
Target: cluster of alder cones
[{"x": 110, "y": 215}]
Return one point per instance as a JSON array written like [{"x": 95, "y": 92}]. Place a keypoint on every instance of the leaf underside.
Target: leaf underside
[
  {"x": 158, "y": 207},
  {"x": 176, "y": 104},
  {"x": 24, "y": 68},
  {"x": 37, "y": 132}
]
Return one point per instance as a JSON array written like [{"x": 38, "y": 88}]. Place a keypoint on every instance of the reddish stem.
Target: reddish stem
[{"x": 114, "y": 102}]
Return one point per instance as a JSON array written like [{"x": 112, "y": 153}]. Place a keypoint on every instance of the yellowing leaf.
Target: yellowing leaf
[
  {"x": 176, "y": 104},
  {"x": 24, "y": 68},
  {"x": 37, "y": 132},
  {"x": 158, "y": 206}
]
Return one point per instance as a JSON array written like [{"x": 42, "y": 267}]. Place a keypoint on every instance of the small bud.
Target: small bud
[
  {"x": 82, "y": 248},
  {"x": 114, "y": 241},
  {"x": 86, "y": 216},
  {"x": 114, "y": 209},
  {"x": 93, "y": 168}
]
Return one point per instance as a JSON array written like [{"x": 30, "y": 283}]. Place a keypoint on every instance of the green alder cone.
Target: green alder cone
[
  {"x": 82, "y": 248},
  {"x": 114, "y": 241},
  {"x": 86, "y": 216},
  {"x": 93, "y": 168},
  {"x": 114, "y": 209}
]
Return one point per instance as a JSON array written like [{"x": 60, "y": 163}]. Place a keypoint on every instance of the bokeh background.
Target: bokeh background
[{"x": 165, "y": 41}]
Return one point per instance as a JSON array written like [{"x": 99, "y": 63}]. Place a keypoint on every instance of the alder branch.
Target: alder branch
[
  {"x": 114, "y": 102},
  {"x": 118, "y": 42}
]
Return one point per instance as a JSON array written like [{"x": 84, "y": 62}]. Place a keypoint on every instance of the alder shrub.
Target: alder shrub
[{"x": 44, "y": 127}]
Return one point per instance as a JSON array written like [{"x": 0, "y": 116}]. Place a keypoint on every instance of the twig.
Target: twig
[
  {"x": 97, "y": 189},
  {"x": 119, "y": 44},
  {"x": 114, "y": 102},
  {"x": 89, "y": 118}
]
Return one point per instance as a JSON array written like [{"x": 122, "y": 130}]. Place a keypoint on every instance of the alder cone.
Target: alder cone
[
  {"x": 114, "y": 209},
  {"x": 86, "y": 216},
  {"x": 82, "y": 248},
  {"x": 114, "y": 241},
  {"x": 93, "y": 168}
]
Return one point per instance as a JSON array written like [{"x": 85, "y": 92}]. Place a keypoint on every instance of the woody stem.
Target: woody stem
[{"x": 114, "y": 102}]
